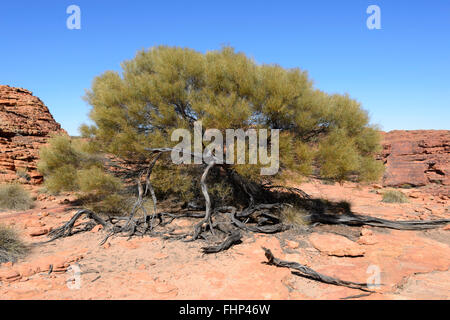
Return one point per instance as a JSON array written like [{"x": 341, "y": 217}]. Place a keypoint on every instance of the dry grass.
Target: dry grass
[
  {"x": 394, "y": 196},
  {"x": 11, "y": 247},
  {"x": 14, "y": 197},
  {"x": 294, "y": 216}
]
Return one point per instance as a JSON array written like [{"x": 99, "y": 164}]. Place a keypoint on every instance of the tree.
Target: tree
[
  {"x": 163, "y": 89},
  {"x": 167, "y": 88}
]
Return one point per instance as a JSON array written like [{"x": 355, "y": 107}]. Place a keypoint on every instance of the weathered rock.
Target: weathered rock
[
  {"x": 417, "y": 158},
  {"x": 25, "y": 125},
  {"x": 335, "y": 245},
  {"x": 38, "y": 231}
]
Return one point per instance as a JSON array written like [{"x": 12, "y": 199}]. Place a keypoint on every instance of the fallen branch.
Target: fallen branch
[
  {"x": 361, "y": 220},
  {"x": 309, "y": 273},
  {"x": 66, "y": 229},
  {"x": 233, "y": 238}
]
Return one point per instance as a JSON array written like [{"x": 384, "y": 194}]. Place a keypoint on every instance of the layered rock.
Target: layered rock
[
  {"x": 25, "y": 125},
  {"x": 416, "y": 158}
]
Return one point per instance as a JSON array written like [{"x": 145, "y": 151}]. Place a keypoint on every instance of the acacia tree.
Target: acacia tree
[
  {"x": 167, "y": 88},
  {"x": 135, "y": 112}
]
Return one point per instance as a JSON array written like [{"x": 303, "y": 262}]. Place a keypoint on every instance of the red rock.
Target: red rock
[
  {"x": 97, "y": 228},
  {"x": 142, "y": 267},
  {"x": 367, "y": 240},
  {"x": 291, "y": 244},
  {"x": 166, "y": 289},
  {"x": 366, "y": 232},
  {"x": 417, "y": 158},
  {"x": 160, "y": 256},
  {"x": 295, "y": 257},
  {"x": 9, "y": 275},
  {"x": 25, "y": 126},
  {"x": 25, "y": 270},
  {"x": 335, "y": 245},
  {"x": 37, "y": 231}
]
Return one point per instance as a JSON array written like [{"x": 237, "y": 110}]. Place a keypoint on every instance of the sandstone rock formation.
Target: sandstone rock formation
[
  {"x": 416, "y": 158},
  {"x": 25, "y": 125}
]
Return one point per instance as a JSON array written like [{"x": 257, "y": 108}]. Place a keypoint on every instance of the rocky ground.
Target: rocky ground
[{"x": 411, "y": 264}]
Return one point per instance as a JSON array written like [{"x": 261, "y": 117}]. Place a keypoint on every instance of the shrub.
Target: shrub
[
  {"x": 68, "y": 165},
  {"x": 167, "y": 88},
  {"x": 14, "y": 197},
  {"x": 394, "y": 196},
  {"x": 11, "y": 248},
  {"x": 294, "y": 216}
]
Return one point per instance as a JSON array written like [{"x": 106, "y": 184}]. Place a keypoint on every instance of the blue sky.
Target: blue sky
[{"x": 400, "y": 73}]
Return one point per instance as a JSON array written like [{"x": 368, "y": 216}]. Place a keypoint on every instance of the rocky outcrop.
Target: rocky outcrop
[
  {"x": 416, "y": 158},
  {"x": 25, "y": 125}
]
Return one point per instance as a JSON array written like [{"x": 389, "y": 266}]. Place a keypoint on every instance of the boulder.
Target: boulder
[
  {"x": 336, "y": 245},
  {"x": 416, "y": 158},
  {"x": 25, "y": 125}
]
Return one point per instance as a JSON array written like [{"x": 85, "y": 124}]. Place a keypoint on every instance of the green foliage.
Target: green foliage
[
  {"x": 69, "y": 165},
  {"x": 14, "y": 197},
  {"x": 394, "y": 196},
  {"x": 166, "y": 88},
  {"x": 11, "y": 247}
]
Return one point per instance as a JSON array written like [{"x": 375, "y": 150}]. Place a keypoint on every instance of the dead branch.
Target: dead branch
[
  {"x": 233, "y": 238},
  {"x": 309, "y": 273},
  {"x": 66, "y": 229},
  {"x": 351, "y": 219}
]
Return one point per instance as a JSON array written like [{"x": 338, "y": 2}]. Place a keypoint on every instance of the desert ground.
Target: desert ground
[{"x": 412, "y": 264}]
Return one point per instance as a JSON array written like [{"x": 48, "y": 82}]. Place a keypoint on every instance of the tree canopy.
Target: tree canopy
[
  {"x": 135, "y": 112},
  {"x": 166, "y": 88}
]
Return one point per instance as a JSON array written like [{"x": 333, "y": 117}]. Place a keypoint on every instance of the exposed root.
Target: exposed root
[
  {"x": 67, "y": 229},
  {"x": 351, "y": 219},
  {"x": 256, "y": 217},
  {"x": 233, "y": 238},
  {"x": 309, "y": 273}
]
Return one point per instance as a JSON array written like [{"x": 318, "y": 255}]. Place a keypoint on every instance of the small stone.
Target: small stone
[
  {"x": 97, "y": 228},
  {"x": 291, "y": 244},
  {"x": 36, "y": 231},
  {"x": 9, "y": 274},
  {"x": 160, "y": 256},
  {"x": 335, "y": 245},
  {"x": 142, "y": 267}
]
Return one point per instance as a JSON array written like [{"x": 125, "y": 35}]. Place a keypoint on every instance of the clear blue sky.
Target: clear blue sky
[{"x": 401, "y": 73}]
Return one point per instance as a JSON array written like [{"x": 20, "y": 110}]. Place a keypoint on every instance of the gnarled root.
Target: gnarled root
[{"x": 309, "y": 273}]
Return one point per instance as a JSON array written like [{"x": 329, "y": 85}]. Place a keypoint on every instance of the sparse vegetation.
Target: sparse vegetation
[
  {"x": 135, "y": 112},
  {"x": 394, "y": 196},
  {"x": 294, "y": 216},
  {"x": 168, "y": 88},
  {"x": 14, "y": 197},
  {"x": 11, "y": 247},
  {"x": 68, "y": 165}
]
